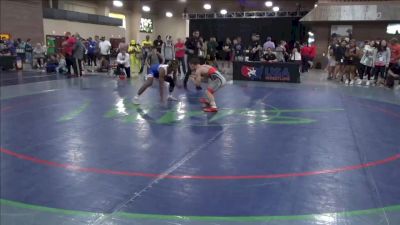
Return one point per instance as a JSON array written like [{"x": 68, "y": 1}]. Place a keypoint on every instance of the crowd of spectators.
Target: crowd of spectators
[
  {"x": 350, "y": 62},
  {"x": 370, "y": 62}
]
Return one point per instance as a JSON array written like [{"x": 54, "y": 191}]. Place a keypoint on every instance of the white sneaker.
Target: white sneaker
[
  {"x": 368, "y": 83},
  {"x": 172, "y": 98},
  {"x": 347, "y": 82},
  {"x": 351, "y": 82},
  {"x": 136, "y": 100},
  {"x": 359, "y": 82}
]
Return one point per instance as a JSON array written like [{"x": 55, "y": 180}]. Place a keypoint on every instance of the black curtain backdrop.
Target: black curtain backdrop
[{"x": 288, "y": 29}]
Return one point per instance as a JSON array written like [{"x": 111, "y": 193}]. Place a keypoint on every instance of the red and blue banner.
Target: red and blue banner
[{"x": 267, "y": 72}]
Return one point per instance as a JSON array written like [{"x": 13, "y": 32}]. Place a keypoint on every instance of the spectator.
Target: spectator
[
  {"x": 146, "y": 48},
  {"x": 202, "y": 50},
  {"x": 280, "y": 52},
  {"x": 12, "y": 47},
  {"x": 135, "y": 52},
  {"x": 395, "y": 51},
  {"x": 123, "y": 62},
  {"x": 305, "y": 57},
  {"x": 97, "y": 52},
  {"x": 78, "y": 53},
  {"x": 366, "y": 62},
  {"x": 351, "y": 61},
  {"x": 180, "y": 54},
  {"x": 381, "y": 62},
  {"x": 339, "y": 53},
  {"x": 331, "y": 59},
  {"x": 20, "y": 49},
  {"x": 51, "y": 46},
  {"x": 154, "y": 58},
  {"x": 168, "y": 49},
  {"x": 312, "y": 54},
  {"x": 192, "y": 50},
  {"x": 158, "y": 43},
  {"x": 269, "y": 56},
  {"x": 91, "y": 52},
  {"x": 238, "y": 49},
  {"x": 226, "y": 52},
  {"x": 255, "y": 48},
  {"x": 52, "y": 64},
  {"x": 3, "y": 46},
  {"x": 269, "y": 44},
  {"x": 105, "y": 47},
  {"x": 212, "y": 49},
  {"x": 38, "y": 55},
  {"x": 393, "y": 74},
  {"x": 295, "y": 56},
  {"x": 62, "y": 64},
  {"x": 28, "y": 51},
  {"x": 123, "y": 46},
  {"x": 68, "y": 46}
]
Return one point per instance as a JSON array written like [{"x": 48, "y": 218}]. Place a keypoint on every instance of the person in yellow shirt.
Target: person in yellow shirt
[
  {"x": 134, "y": 51},
  {"x": 146, "y": 47}
]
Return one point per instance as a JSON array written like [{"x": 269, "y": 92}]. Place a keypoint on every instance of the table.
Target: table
[
  {"x": 266, "y": 72},
  {"x": 7, "y": 62}
]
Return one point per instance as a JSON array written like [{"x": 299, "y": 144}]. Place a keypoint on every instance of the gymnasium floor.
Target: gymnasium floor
[{"x": 77, "y": 151}]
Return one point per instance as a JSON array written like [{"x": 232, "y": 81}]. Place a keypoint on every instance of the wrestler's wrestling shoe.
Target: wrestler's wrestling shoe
[
  {"x": 172, "y": 98},
  {"x": 204, "y": 101},
  {"x": 136, "y": 101},
  {"x": 210, "y": 109}
]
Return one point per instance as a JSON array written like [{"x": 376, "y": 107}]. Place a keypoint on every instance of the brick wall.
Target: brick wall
[{"x": 22, "y": 19}]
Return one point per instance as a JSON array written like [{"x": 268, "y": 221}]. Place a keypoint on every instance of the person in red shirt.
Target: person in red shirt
[
  {"x": 305, "y": 57},
  {"x": 395, "y": 52},
  {"x": 180, "y": 54},
  {"x": 312, "y": 51},
  {"x": 68, "y": 47}
]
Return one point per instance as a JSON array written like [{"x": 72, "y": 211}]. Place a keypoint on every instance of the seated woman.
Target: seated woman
[{"x": 38, "y": 55}]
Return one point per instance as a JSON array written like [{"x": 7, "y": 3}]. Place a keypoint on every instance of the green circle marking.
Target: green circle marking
[{"x": 131, "y": 113}]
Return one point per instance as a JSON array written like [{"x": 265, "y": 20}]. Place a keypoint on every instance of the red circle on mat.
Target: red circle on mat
[{"x": 197, "y": 177}]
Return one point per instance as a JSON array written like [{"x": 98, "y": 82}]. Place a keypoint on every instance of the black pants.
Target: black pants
[
  {"x": 188, "y": 72},
  {"x": 390, "y": 80},
  {"x": 365, "y": 70},
  {"x": 304, "y": 65},
  {"x": 379, "y": 70},
  {"x": 127, "y": 70},
  {"x": 92, "y": 59},
  {"x": 171, "y": 82},
  {"x": 70, "y": 62},
  {"x": 78, "y": 67}
]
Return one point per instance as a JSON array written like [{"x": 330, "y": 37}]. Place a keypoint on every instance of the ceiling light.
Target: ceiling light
[
  {"x": 169, "y": 14},
  {"x": 146, "y": 8},
  {"x": 268, "y": 3},
  {"x": 182, "y": 1},
  {"x": 275, "y": 9},
  {"x": 223, "y": 11},
  {"x": 207, "y": 6},
  {"x": 118, "y": 3},
  {"x": 315, "y": 6},
  {"x": 310, "y": 33}
]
